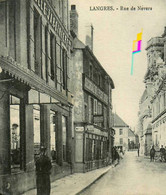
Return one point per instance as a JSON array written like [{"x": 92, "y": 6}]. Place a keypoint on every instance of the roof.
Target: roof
[
  {"x": 77, "y": 44},
  {"x": 131, "y": 133},
  {"x": 118, "y": 122}
]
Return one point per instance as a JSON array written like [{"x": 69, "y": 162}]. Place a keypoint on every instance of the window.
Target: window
[
  {"x": 64, "y": 136},
  {"x": 36, "y": 122},
  {"x": 53, "y": 135},
  {"x": 53, "y": 57},
  {"x": 85, "y": 113},
  {"x": 95, "y": 106},
  {"x": 90, "y": 71},
  {"x": 46, "y": 53},
  {"x": 105, "y": 117},
  {"x": 37, "y": 43},
  {"x": 99, "y": 110},
  {"x": 59, "y": 75},
  {"x": 99, "y": 80},
  {"x": 121, "y": 141},
  {"x": 120, "y": 131},
  {"x": 102, "y": 156},
  {"x": 90, "y": 105},
  {"x": 64, "y": 69}
]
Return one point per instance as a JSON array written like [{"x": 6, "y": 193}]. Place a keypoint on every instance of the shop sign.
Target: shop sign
[
  {"x": 90, "y": 128},
  {"x": 98, "y": 119},
  {"x": 92, "y": 88},
  {"x": 47, "y": 11},
  {"x": 79, "y": 129}
]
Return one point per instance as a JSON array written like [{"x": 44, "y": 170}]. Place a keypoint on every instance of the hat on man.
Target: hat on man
[{"x": 43, "y": 148}]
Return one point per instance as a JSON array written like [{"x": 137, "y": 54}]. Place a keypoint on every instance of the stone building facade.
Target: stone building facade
[
  {"x": 35, "y": 97},
  {"x": 155, "y": 80},
  {"x": 156, "y": 74},
  {"x": 145, "y": 118},
  {"x": 92, "y": 88}
]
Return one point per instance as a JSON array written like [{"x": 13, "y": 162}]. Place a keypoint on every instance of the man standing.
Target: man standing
[
  {"x": 138, "y": 148},
  {"x": 162, "y": 152},
  {"x": 152, "y": 154},
  {"x": 43, "y": 167}
]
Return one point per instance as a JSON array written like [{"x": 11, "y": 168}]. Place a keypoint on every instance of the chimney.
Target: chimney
[
  {"x": 89, "y": 37},
  {"x": 74, "y": 19}
]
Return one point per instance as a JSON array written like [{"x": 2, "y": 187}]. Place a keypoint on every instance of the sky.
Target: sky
[{"x": 114, "y": 32}]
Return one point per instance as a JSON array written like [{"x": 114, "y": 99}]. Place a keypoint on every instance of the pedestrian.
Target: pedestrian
[
  {"x": 152, "y": 154},
  {"x": 162, "y": 152},
  {"x": 138, "y": 148},
  {"x": 43, "y": 168},
  {"x": 117, "y": 154}
]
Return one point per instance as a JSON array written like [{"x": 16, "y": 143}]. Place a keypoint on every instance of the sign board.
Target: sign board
[
  {"x": 79, "y": 129},
  {"x": 95, "y": 90},
  {"x": 53, "y": 20},
  {"x": 98, "y": 119},
  {"x": 90, "y": 128}
]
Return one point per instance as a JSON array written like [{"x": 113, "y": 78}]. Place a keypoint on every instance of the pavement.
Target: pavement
[
  {"x": 75, "y": 183},
  {"x": 133, "y": 176}
]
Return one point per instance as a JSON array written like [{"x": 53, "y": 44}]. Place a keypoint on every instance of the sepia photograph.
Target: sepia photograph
[{"x": 82, "y": 97}]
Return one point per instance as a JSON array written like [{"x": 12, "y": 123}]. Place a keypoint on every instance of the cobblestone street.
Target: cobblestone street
[{"x": 133, "y": 176}]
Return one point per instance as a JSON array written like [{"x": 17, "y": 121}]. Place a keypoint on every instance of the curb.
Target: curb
[{"x": 99, "y": 177}]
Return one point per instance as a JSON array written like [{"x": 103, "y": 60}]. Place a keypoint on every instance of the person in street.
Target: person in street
[
  {"x": 121, "y": 153},
  {"x": 113, "y": 154},
  {"x": 162, "y": 153},
  {"x": 152, "y": 154},
  {"x": 43, "y": 168},
  {"x": 117, "y": 154},
  {"x": 138, "y": 149}
]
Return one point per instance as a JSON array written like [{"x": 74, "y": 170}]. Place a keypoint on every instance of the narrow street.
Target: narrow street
[{"x": 133, "y": 176}]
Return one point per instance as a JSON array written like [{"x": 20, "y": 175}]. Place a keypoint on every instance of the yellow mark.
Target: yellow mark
[{"x": 134, "y": 43}]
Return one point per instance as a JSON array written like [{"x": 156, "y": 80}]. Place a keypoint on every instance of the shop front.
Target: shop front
[{"x": 91, "y": 148}]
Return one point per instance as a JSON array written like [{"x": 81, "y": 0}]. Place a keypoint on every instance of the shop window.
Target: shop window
[
  {"x": 120, "y": 131},
  {"x": 102, "y": 156},
  {"x": 37, "y": 43},
  {"x": 53, "y": 135},
  {"x": 104, "y": 149},
  {"x": 64, "y": 136},
  {"x": 98, "y": 149},
  {"x": 15, "y": 132},
  {"x": 88, "y": 149},
  {"x": 37, "y": 135}
]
